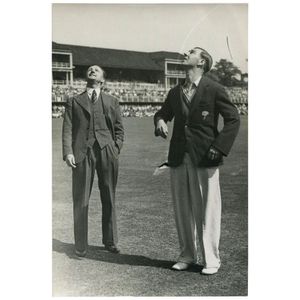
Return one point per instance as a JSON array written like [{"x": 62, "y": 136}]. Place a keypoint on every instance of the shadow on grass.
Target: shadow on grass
[{"x": 100, "y": 254}]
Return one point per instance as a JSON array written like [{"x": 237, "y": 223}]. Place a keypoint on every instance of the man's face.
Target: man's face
[
  {"x": 192, "y": 58},
  {"x": 95, "y": 73}
]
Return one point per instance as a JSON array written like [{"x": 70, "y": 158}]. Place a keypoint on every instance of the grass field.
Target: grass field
[{"x": 146, "y": 226}]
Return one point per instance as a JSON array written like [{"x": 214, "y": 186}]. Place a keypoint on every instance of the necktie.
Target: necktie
[
  {"x": 189, "y": 91},
  {"x": 94, "y": 96}
]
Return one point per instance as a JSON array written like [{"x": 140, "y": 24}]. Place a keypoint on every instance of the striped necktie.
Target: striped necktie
[
  {"x": 189, "y": 91},
  {"x": 94, "y": 96}
]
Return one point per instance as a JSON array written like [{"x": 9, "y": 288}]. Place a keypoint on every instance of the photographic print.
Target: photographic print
[{"x": 150, "y": 149}]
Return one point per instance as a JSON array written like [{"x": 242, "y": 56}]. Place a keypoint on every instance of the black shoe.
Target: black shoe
[
  {"x": 80, "y": 253},
  {"x": 112, "y": 248}
]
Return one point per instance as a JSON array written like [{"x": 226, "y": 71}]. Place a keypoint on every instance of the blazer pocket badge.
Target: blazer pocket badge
[{"x": 205, "y": 114}]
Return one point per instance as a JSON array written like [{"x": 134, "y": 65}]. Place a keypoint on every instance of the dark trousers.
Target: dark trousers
[{"x": 105, "y": 163}]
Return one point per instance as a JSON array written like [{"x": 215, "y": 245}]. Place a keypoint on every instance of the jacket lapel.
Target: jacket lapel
[
  {"x": 106, "y": 102},
  {"x": 84, "y": 101},
  {"x": 203, "y": 84}
]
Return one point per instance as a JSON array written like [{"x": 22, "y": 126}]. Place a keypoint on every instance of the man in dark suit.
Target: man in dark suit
[
  {"x": 93, "y": 135},
  {"x": 196, "y": 150}
]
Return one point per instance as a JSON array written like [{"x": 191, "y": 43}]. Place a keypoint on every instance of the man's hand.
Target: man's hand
[
  {"x": 162, "y": 128},
  {"x": 70, "y": 160},
  {"x": 214, "y": 154}
]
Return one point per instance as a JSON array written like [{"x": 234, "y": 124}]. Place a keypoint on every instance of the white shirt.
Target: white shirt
[
  {"x": 189, "y": 89},
  {"x": 90, "y": 92},
  {"x": 197, "y": 81}
]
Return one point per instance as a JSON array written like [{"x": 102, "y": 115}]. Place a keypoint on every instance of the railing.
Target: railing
[
  {"x": 79, "y": 84},
  {"x": 137, "y": 86},
  {"x": 76, "y": 84},
  {"x": 134, "y": 85},
  {"x": 142, "y": 98},
  {"x": 59, "y": 82},
  {"x": 56, "y": 64},
  {"x": 175, "y": 72},
  {"x": 138, "y": 95}
]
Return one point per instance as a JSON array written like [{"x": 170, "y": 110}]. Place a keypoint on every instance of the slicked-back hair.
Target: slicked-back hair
[{"x": 207, "y": 57}]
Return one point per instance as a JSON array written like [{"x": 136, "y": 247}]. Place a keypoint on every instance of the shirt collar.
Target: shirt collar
[
  {"x": 90, "y": 91},
  {"x": 196, "y": 82}
]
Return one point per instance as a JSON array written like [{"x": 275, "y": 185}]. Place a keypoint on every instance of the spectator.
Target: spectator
[{"x": 132, "y": 92}]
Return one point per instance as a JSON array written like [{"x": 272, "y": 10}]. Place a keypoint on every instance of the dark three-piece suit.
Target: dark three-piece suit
[{"x": 94, "y": 134}]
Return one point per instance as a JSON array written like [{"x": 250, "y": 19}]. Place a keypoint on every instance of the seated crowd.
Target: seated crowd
[
  {"x": 139, "y": 111},
  {"x": 125, "y": 95},
  {"x": 60, "y": 94},
  {"x": 237, "y": 95}
]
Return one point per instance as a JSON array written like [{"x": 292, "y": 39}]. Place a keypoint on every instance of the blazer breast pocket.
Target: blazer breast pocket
[
  {"x": 202, "y": 114},
  {"x": 205, "y": 114}
]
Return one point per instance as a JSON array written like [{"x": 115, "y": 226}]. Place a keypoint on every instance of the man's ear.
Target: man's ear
[{"x": 201, "y": 62}]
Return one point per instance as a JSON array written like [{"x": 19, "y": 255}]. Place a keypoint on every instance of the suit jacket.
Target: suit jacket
[
  {"x": 198, "y": 130},
  {"x": 77, "y": 120}
]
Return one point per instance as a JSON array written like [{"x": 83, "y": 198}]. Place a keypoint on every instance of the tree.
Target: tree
[{"x": 226, "y": 73}]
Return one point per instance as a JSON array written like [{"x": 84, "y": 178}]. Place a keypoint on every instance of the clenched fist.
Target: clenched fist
[{"x": 214, "y": 154}]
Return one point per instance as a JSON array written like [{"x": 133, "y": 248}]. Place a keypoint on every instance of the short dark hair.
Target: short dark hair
[{"x": 208, "y": 59}]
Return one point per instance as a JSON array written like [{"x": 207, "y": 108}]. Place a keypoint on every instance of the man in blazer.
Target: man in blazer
[
  {"x": 93, "y": 135},
  {"x": 196, "y": 150}
]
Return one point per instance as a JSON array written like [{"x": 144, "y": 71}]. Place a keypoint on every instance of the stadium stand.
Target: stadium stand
[
  {"x": 139, "y": 103},
  {"x": 139, "y": 80}
]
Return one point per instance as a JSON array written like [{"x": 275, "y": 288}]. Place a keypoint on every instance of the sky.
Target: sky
[{"x": 156, "y": 27}]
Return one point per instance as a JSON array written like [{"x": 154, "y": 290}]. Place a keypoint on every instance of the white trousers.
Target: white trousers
[{"x": 197, "y": 206}]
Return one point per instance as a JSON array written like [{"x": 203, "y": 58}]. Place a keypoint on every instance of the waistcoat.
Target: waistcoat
[{"x": 98, "y": 130}]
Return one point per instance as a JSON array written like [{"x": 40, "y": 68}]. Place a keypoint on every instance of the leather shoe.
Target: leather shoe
[
  {"x": 80, "y": 253},
  {"x": 112, "y": 248},
  {"x": 180, "y": 266},
  {"x": 209, "y": 271}
]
